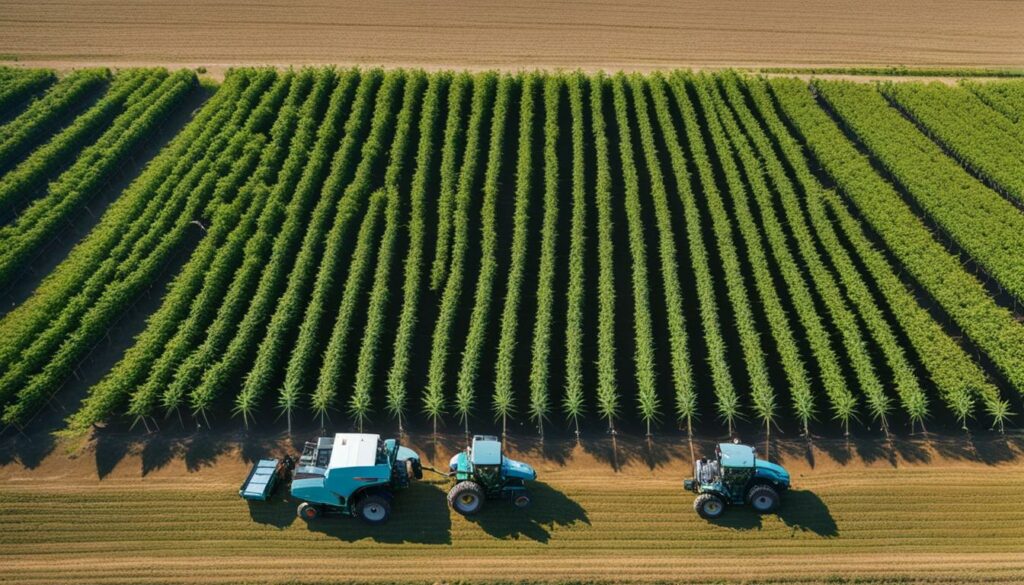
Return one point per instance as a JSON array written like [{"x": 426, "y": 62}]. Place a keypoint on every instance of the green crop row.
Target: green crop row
[
  {"x": 504, "y": 393},
  {"x": 985, "y": 225},
  {"x": 398, "y": 375},
  {"x": 21, "y": 184},
  {"x": 469, "y": 369},
  {"x": 46, "y": 113},
  {"x": 959, "y": 293},
  {"x": 540, "y": 349},
  {"x": 19, "y": 86}
]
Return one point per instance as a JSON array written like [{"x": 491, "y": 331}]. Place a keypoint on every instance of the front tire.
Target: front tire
[
  {"x": 466, "y": 498},
  {"x": 522, "y": 500},
  {"x": 374, "y": 509},
  {"x": 308, "y": 512},
  {"x": 709, "y": 506},
  {"x": 763, "y": 499}
]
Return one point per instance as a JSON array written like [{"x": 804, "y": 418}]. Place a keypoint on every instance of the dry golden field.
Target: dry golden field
[
  {"x": 510, "y": 35},
  {"x": 167, "y": 512}
]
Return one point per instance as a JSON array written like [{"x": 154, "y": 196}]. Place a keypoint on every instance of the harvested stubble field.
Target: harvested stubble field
[
  {"x": 943, "y": 511},
  {"x": 531, "y": 33}
]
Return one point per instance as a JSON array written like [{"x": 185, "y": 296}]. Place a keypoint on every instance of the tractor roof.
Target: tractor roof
[
  {"x": 354, "y": 450},
  {"x": 736, "y": 455},
  {"x": 486, "y": 450}
]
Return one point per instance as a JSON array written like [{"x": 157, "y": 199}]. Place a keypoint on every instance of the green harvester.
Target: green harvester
[
  {"x": 735, "y": 476},
  {"x": 482, "y": 472}
]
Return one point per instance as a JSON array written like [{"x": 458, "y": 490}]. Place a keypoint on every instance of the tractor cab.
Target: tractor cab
[
  {"x": 353, "y": 474},
  {"x": 734, "y": 476},
  {"x": 483, "y": 472}
]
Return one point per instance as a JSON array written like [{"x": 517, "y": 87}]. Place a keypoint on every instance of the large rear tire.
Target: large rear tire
[
  {"x": 373, "y": 509},
  {"x": 466, "y": 498},
  {"x": 763, "y": 499},
  {"x": 709, "y": 506},
  {"x": 308, "y": 512}
]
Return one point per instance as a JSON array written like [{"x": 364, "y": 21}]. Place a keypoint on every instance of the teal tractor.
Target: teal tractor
[
  {"x": 353, "y": 475},
  {"x": 483, "y": 473},
  {"x": 733, "y": 477}
]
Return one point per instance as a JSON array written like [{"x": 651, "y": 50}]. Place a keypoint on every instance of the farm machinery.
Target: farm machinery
[
  {"x": 352, "y": 474},
  {"x": 482, "y": 472},
  {"x": 733, "y": 477}
]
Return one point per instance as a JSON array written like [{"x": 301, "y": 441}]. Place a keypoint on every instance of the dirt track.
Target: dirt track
[
  {"x": 167, "y": 512},
  {"x": 524, "y": 34}
]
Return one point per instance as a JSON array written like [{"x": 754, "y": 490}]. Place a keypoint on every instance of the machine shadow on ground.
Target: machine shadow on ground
[
  {"x": 419, "y": 514},
  {"x": 801, "y": 511},
  {"x": 550, "y": 508}
]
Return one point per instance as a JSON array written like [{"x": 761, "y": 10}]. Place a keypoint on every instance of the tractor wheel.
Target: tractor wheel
[
  {"x": 709, "y": 506},
  {"x": 308, "y": 511},
  {"x": 763, "y": 498},
  {"x": 522, "y": 500},
  {"x": 466, "y": 498},
  {"x": 373, "y": 509},
  {"x": 413, "y": 469},
  {"x": 417, "y": 469}
]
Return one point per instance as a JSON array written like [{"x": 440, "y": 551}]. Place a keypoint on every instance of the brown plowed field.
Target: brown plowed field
[
  {"x": 511, "y": 35},
  {"x": 943, "y": 511}
]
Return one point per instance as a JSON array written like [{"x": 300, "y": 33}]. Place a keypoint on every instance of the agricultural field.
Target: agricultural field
[
  {"x": 367, "y": 247},
  {"x": 167, "y": 512},
  {"x": 613, "y": 272}
]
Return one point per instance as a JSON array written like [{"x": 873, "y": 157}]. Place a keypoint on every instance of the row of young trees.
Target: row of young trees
[{"x": 302, "y": 190}]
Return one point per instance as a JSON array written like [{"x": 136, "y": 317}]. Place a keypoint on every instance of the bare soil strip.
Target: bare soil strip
[{"x": 569, "y": 34}]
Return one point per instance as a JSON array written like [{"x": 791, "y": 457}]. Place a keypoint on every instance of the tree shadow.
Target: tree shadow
[
  {"x": 109, "y": 451},
  {"x": 618, "y": 451},
  {"x": 554, "y": 449},
  {"x": 801, "y": 511},
  {"x": 203, "y": 449},
  {"x": 419, "y": 514},
  {"x": 550, "y": 508},
  {"x": 157, "y": 452},
  {"x": 26, "y": 450},
  {"x": 989, "y": 448}
]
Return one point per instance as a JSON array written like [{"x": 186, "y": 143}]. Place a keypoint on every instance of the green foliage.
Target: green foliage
[
  {"x": 573, "y": 401},
  {"x": 465, "y": 389},
  {"x": 94, "y": 166},
  {"x": 700, "y": 265},
  {"x": 607, "y": 388},
  {"x": 278, "y": 214},
  {"x": 362, "y": 395},
  {"x": 434, "y": 401},
  {"x": 46, "y": 113},
  {"x": 397, "y": 395},
  {"x": 504, "y": 391},
  {"x": 643, "y": 358},
  {"x": 540, "y": 399},
  {"x": 959, "y": 293}
]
